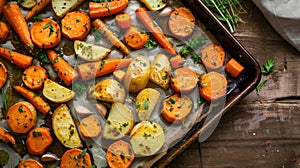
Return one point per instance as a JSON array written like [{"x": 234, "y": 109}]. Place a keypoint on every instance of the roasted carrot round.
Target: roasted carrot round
[
  {"x": 123, "y": 20},
  {"x": 176, "y": 61},
  {"x": 75, "y": 158},
  {"x": 119, "y": 155},
  {"x": 134, "y": 38},
  {"x": 182, "y": 22},
  {"x": 30, "y": 163},
  {"x": 212, "y": 86},
  {"x": 104, "y": 9},
  {"x": 6, "y": 137},
  {"x": 76, "y": 25},
  {"x": 4, "y": 31},
  {"x": 213, "y": 56},
  {"x": 3, "y": 75},
  {"x": 234, "y": 68},
  {"x": 34, "y": 77},
  {"x": 21, "y": 117},
  {"x": 90, "y": 127},
  {"x": 45, "y": 33},
  {"x": 184, "y": 80},
  {"x": 38, "y": 140}
]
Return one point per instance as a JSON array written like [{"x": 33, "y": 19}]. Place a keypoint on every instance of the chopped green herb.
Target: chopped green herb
[
  {"x": 79, "y": 88},
  {"x": 268, "y": 66},
  {"x": 42, "y": 56},
  {"x": 151, "y": 42},
  {"x": 4, "y": 100},
  {"x": 47, "y": 25},
  {"x": 102, "y": 64},
  {"x": 192, "y": 45},
  {"x": 172, "y": 100},
  {"x": 146, "y": 105},
  {"x": 36, "y": 134},
  {"x": 260, "y": 85},
  {"x": 196, "y": 58},
  {"x": 20, "y": 109},
  {"x": 137, "y": 106},
  {"x": 37, "y": 18},
  {"x": 83, "y": 152},
  {"x": 52, "y": 30},
  {"x": 200, "y": 101}
]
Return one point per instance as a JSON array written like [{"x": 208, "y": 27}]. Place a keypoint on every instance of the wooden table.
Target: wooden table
[{"x": 263, "y": 130}]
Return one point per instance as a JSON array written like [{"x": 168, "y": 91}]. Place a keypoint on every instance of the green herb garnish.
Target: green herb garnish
[
  {"x": 79, "y": 88},
  {"x": 4, "y": 100},
  {"x": 268, "y": 66},
  {"x": 42, "y": 56},
  {"x": 83, "y": 152},
  {"x": 151, "y": 43},
  {"x": 260, "y": 85},
  {"x": 37, "y": 18},
  {"x": 36, "y": 134}
]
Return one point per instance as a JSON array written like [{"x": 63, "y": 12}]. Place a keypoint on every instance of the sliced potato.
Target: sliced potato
[
  {"x": 119, "y": 122},
  {"x": 62, "y": 7},
  {"x": 137, "y": 74},
  {"x": 155, "y": 5},
  {"x": 160, "y": 71},
  {"x": 145, "y": 103},
  {"x": 90, "y": 52},
  {"x": 147, "y": 138},
  {"x": 119, "y": 75},
  {"x": 56, "y": 92},
  {"x": 64, "y": 127},
  {"x": 27, "y": 3},
  {"x": 108, "y": 90}
]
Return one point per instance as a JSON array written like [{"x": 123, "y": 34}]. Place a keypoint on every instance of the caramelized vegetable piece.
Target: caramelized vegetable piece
[
  {"x": 57, "y": 93},
  {"x": 234, "y": 68},
  {"x": 75, "y": 158},
  {"x": 4, "y": 31},
  {"x": 21, "y": 117},
  {"x": 134, "y": 38},
  {"x": 90, "y": 52},
  {"x": 2, "y": 4},
  {"x": 160, "y": 71},
  {"x": 30, "y": 163},
  {"x": 62, "y": 7},
  {"x": 176, "y": 61},
  {"x": 28, "y": 4},
  {"x": 76, "y": 25},
  {"x": 213, "y": 56},
  {"x": 13, "y": 15},
  {"x": 38, "y": 140},
  {"x": 6, "y": 137},
  {"x": 34, "y": 98},
  {"x": 145, "y": 103},
  {"x": 213, "y": 86},
  {"x": 184, "y": 80},
  {"x": 119, "y": 155},
  {"x": 3, "y": 75},
  {"x": 104, "y": 9},
  {"x": 90, "y": 127},
  {"x": 34, "y": 77},
  {"x": 155, "y": 5},
  {"x": 46, "y": 33},
  {"x": 123, "y": 20},
  {"x": 20, "y": 60},
  {"x": 37, "y": 8}
]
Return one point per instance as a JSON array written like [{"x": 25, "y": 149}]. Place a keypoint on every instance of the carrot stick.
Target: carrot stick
[
  {"x": 92, "y": 70},
  {"x": 143, "y": 15},
  {"x": 38, "y": 140},
  {"x": 4, "y": 31},
  {"x": 34, "y": 98},
  {"x": 234, "y": 68},
  {"x": 104, "y": 9},
  {"x": 2, "y": 4},
  {"x": 3, "y": 75},
  {"x": 13, "y": 15},
  {"x": 37, "y": 8},
  {"x": 62, "y": 68},
  {"x": 20, "y": 60},
  {"x": 6, "y": 137},
  {"x": 102, "y": 28}
]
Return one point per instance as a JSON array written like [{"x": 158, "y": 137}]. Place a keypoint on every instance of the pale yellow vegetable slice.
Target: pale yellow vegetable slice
[
  {"x": 155, "y": 5},
  {"x": 27, "y": 3},
  {"x": 62, "y": 7},
  {"x": 56, "y": 92},
  {"x": 90, "y": 52},
  {"x": 145, "y": 103},
  {"x": 160, "y": 71}
]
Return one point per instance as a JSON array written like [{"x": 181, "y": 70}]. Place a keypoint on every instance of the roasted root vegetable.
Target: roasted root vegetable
[
  {"x": 56, "y": 92},
  {"x": 104, "y": 9},
  {"x": 176, "y": 108},
  {"x": 46, "y": 33},
  {"x": 76, "y": 25},
  {"x": 3, "y": 75},
  {"x": 143, "y": 15},
  {"x": 160, "y": 71},
  {"x": 119, "y": 154},
  {"x": 103, "y": 28},
  {"x": 92, "y": 70},
  {"x": 34, "y": 98},
  {"x": 90, "y": 127},
  {"x": 212, "y": 86},
  {"x": 155, "y": 5},
  {"x": 20, "y": 60},
  {"x": 184, "y": 80},
  {"x": 2, "y": 4},
  {"x": 13, "y": 15},
  {"x": 145, "y": 103},
  {"x": 38, "y": 140},
  {"x": 176, "y": 61},
  {"x": 21, "y": 117},
  {"x": 37, "y": 8},
  {"x": 123, "y": 20},
  {"x": 6, "y": 137},
  {"x": 34, "y": 77},
  {"x": 108, "y": 90},
  {"x": 64, "y": 127},
  {"x": 62, "y": 68},
  {"x": 213, "y": 56},
  {"x": 75, "y": 158},
  {"x": 147, "y": 138},
  {"x": 62, "y": 7},
  {"x": 234, "y": 68},
  {"x": 90, "y": 52},
  {"x": 27, "y": 3},
  {"x": 119, "y": 122},
  {"x": 134, "y": 38},
  {"x": 4, "y": 31},
  {"x": 30, "y": 163}
]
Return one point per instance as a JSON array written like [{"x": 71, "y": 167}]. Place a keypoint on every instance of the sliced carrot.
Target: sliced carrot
[
  {"x": 37, "y": 8},
  {"x": 182, "y": 22},
  {"x": 75, "y": 158},
  {"x": 213, "y": 86},
  {"x": 119, "y": 155},
  {"x": 3, "y": 75},
  {"x": 2, "y": 4},
  {"x": 76, "y": 25},
  {"x": 234, "y": 68},
  {"x": 4, "y": 31},
  {"x": 213, "y": 56},
  {"x": 21, "y": 117},
  {"x": 143, "y": 15},
  {"x": 34, "y": 77},
  {"x": 119, "y": 75},
  {"x": 34, "y": 98},
  {"x": 62, "y": 68},
  {"x": 184, "y": 80},
  {"x": 38, "y": 140},
  {"x": 6, "y": 137},
  {"x": 176, "y": 109},
  {"x": 134, "y": 38},
  {"x": 123, "y": 20},
  {"x": 176, "y": 61},
  {"x": 13, "y": 15},
  {"x": 104, "y": 9},
  {"x": 30, "y": 163},
  {"x": 90, "y": 127},
  {"x": 45, "y": 33},
  {"x": 20, "y": 60},
  {"x": 102, "y": 28},
  {"x": 92, "y": 70}
]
